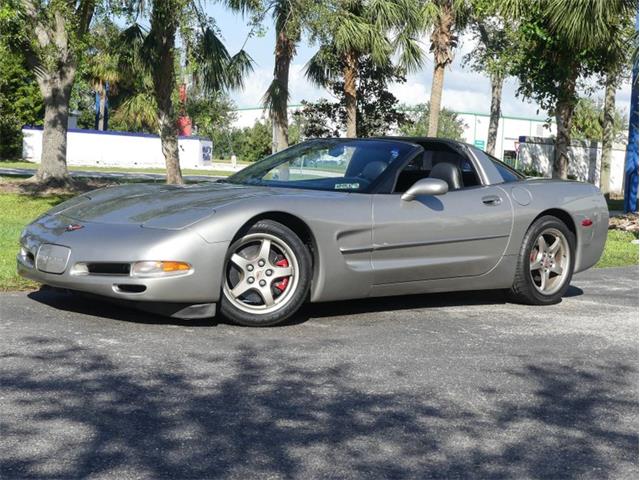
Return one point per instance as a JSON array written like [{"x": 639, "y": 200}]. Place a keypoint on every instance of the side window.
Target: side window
[
  {"x": 420, "y": 167},
  {"x": 507, "y": 173}
]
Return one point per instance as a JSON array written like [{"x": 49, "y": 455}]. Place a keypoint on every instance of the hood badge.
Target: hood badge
[{"x": 73, "y": 227}]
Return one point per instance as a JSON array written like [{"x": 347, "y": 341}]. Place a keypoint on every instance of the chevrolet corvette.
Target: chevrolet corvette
[{"x": 324, "y": 220}]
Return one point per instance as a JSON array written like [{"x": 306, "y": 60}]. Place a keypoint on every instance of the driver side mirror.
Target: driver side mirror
[{"x": 425, "y": 186}]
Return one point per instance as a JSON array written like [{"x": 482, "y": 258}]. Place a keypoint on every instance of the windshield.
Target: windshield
[{"x": 326, "y": 164}]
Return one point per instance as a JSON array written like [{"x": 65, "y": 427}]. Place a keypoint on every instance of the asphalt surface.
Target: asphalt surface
[
  {"x": 23, "y": 172},
  {"x": 433, "y": 386}
]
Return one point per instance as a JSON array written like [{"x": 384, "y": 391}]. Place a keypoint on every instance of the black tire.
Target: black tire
[
  {"x": 524, "y": 290},
  {"x": 296, "y": 298}
]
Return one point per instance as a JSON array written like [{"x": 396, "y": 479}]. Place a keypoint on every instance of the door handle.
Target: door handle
[{"x": 492, "y": 200}]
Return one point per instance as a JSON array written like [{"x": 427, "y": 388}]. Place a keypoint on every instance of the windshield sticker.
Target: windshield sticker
[{"x": 346, "y": 186}]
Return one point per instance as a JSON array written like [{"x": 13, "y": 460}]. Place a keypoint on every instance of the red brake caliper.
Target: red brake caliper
[{"x": 282, "y": 284}]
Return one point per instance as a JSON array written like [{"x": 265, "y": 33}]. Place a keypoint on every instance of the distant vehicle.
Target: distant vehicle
[{"x": 389, "y": 216}]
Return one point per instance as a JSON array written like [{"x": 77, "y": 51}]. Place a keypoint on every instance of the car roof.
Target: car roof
[{"x": 419, "y": 140}]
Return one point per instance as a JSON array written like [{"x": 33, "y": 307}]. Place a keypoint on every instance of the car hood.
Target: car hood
[{"x": 156, "y": 206}]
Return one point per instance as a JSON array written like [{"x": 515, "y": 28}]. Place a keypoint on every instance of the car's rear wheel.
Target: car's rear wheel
[
  {"x": 545, "y": 264},
  {"x": 267, "y": 275}
]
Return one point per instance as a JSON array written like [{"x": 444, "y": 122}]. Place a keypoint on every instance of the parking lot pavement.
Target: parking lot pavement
[{"x": 432, "y": 386}]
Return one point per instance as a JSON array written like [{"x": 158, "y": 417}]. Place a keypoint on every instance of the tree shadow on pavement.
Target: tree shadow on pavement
[{"x": 70, "y": 411}]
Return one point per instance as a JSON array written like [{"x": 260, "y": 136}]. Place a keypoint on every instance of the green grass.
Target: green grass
[
  {"x": 188, "y": 171},
  {"x": 619, "y": 251},
  {"x": 18, "y": 210}
]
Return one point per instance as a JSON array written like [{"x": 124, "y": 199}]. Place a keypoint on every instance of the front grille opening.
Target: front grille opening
[
  {"x": 125, "y": 288},
  {"x": 31, "y": 257},
  {"x": 109, "y": 268}
]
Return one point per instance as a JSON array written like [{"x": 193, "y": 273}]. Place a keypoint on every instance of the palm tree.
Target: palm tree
[
  {"x": 103, "y": 64},
  {"x": 214, "y": 68},
  {"x": 104, "y": 75},
  {"x": 350, "y": 29},
  {"x": 288, "y": 17},
  {"x": 449, "y": 19}
]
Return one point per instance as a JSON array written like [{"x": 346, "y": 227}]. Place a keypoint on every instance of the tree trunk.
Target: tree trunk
[
  {"x": 494, "y": 116},
  {"x": 436, "y": 100},
  {"x": 442, "y": 41},
  {"x": 101, "y": 108},
  {"x": 54, "y": 65},
  {"x": 564, "y": 114},
  {"x": 280, "y": 91},
  {"x": 350, "y": 73},
  {"x": 607, "y": 132},
  {"x": 565, "y": 107},
  {"x": 169, "y": 143},
  {"x": 164, "y": 24},
  {"x": 56, "y": 92}
]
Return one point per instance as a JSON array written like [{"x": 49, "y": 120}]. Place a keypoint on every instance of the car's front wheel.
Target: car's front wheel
[
  {"x": 267, "y": 275},
  {"x": 545, "y": 264}
]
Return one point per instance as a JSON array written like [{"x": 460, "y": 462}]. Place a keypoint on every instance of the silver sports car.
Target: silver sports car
[{"x": 329, "y": 219}]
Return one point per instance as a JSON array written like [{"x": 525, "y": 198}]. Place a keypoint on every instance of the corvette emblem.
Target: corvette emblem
[{"x": 73, "y": 227}]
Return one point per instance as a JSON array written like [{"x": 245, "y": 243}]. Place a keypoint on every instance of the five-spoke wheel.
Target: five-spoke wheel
[
  {"x": 262, "y": 273},
  {"x": 549, "y": 260},
  {"x": 545, "y": 264},
  {"x": 266, "y": 276}
]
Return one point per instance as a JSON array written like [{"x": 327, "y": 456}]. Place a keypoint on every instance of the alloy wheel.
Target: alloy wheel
[
  {"x": 549, "y": 261},
  {"x": 261, "y": 274}
]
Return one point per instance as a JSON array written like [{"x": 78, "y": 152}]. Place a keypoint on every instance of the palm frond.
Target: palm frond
[
  {"x": 239, "y": 66},
  {"x": 352, "y": 33},
  {"x": 213, "y": 59},
  {"x": 276, "y": 98},
  {"x": 243, "y": 6},
  {"x": 138, "y": 112},
  {"x": 321, "y": 68},
  {"x": 135, "y": 40},
  {"x": 586, "y": 23},
  {"x": 217, "y": 70},
  {"x": 411, "y": 53}
]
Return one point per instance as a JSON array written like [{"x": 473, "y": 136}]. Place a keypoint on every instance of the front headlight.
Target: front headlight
[{"x": 159, "y": 268}]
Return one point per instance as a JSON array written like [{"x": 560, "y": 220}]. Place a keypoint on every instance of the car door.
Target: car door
[{"x": 461, "y": 233}]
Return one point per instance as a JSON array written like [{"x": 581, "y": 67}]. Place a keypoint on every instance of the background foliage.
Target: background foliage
[{"x": 20, "y": 101}]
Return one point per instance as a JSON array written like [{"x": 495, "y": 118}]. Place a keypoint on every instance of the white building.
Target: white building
[{"x": 510, "y": 129}]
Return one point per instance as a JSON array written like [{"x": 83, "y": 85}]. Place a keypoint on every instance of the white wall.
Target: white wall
[
  {"x": 584, "y": 160},
  {"x": 119, "y": 149}
]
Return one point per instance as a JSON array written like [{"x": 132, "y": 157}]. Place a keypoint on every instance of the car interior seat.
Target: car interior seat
[{"x": 448, "y": 172}]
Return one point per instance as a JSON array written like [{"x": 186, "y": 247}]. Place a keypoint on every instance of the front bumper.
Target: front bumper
[{"x": 126, "y": 244}]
